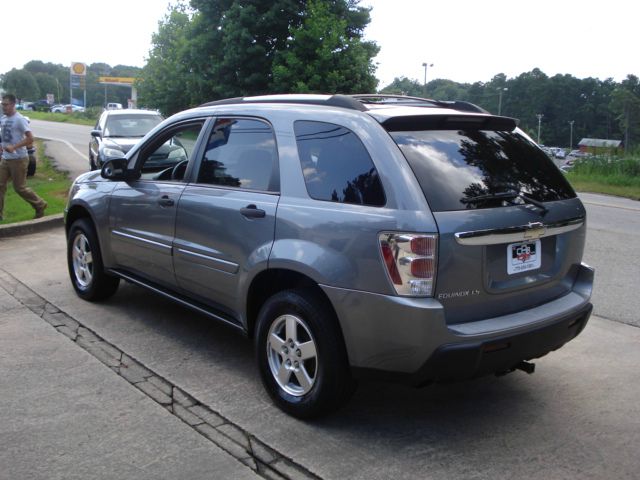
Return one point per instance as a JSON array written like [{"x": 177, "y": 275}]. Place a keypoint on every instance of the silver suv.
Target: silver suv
[{"x": 349, "y": 236}]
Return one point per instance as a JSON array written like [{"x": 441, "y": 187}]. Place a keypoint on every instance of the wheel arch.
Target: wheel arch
[
  {"x": 80, "y": 211},
  {"x": 74, "y": 213},
  {"x": 271, "y": 281}
]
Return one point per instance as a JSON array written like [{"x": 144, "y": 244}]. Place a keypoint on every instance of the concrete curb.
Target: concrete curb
[
  {"x": 263, "y": 460},
  {"x": 32, "y": 226}
]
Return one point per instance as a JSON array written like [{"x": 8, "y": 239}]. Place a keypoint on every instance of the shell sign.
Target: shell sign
[{"x": 78, "y": 68}]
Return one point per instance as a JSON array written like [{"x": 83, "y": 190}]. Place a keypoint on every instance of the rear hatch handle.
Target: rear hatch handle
[{"x": 521, "y": 233}]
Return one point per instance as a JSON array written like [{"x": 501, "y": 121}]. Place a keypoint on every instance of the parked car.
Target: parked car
[
  {"x": 116, "y": 131},
  {"x": 578, "y": 154},
  {"x": 24, "y": 106},
  {"x": 68, "y": 108},
  {"x": 349, "y": 236},
  {"x": 113, "y": 106},
  {"x": 41, "y": 106}
]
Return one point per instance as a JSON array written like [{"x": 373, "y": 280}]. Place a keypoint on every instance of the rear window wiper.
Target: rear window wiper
[{"x": 506, "y": 195}]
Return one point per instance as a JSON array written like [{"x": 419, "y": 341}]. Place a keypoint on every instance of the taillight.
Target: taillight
[
  {"x": 387, "y": 254},
  {"x": 410, "y": 261}
]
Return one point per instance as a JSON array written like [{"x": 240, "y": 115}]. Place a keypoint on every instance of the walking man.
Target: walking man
[{"x": 16, "y": 135}]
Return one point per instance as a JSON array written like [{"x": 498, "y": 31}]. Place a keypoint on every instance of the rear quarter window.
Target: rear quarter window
[
  {"x": 453, "y": 166},
  {"x": 336, "y": 165}
]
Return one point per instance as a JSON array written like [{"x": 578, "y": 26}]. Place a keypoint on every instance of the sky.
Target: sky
[{"x": 465, "y": 40}]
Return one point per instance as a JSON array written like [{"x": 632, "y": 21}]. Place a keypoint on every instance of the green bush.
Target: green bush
[
  {"x": 82, "y": 118},
  {"x": 608, "y": 166},
  {"x": 611, "y": 175}
]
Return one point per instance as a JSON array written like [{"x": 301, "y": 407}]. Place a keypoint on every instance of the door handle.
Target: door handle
[
  {"x": 251, "y": 211},
  {"x": 165, "y": 201}
]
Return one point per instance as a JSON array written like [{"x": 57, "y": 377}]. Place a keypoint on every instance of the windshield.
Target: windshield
[
  {"x": 471, "y": 169},
  {"x": 130, "y": 125}
]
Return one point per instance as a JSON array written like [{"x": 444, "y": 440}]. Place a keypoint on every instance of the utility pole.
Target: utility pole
[
  {"x": 539, "y": 115},
  {"x": 500, "y": 92},
  {"x": 570, "y": 135},
  {"x": 424, "y": 85}
]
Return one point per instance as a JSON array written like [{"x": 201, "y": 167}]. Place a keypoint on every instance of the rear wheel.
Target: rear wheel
[
  {"x": 85, "y": 263},
  {"x": 301, "y": 354}
]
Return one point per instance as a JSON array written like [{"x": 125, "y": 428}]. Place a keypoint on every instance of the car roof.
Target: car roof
[
  {"x": 361, "y": 102},
  {"x": 132, "y": 111},
  {"x": 389, "y": 110}
]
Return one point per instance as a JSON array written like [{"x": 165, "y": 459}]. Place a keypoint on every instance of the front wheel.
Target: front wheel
[
  {"x": 301, "y": 354},
  {"x": 85, "y": 263}
]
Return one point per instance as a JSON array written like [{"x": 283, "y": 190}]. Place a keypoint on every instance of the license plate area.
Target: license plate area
[{"x": 524, "y": 256}]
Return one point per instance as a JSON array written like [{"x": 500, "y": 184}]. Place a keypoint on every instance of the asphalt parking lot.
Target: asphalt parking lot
[
  {"x": 71, "y": 412},
  {"x": 137, "y": 387}
]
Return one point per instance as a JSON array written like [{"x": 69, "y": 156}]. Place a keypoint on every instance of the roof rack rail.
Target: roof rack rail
[
  {"x": 386, "y": 99},
  {"x": 352, "y": 102},
  {"x": 380, "y": 98},
  {"x": 344, "y": 101}
]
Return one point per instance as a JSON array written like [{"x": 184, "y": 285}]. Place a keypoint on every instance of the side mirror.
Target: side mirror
[
  {"x": 117, "y": 169},
  {"x": 96, "y": 133}
]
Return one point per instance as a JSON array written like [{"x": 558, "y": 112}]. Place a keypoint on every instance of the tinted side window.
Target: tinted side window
[
  {"x": 336, "y": 165},
  {"x": 166, "y": 158},
  {"x": 240, "y": 153}
]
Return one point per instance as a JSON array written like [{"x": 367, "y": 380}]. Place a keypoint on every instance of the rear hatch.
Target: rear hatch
[{"x": 511, "y": 228}]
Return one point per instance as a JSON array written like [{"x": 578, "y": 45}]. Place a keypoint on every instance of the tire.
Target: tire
[
  {"x": 84, "y": 261},
  {"x": 301, "y": 355},
  {"x": 92, "y": 163}
]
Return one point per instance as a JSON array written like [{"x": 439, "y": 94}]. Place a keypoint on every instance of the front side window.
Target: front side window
[
  {"x": 336, "y": 165},
  {"x": 240, "y": 153},
  {"x": 167, "y": 156}
]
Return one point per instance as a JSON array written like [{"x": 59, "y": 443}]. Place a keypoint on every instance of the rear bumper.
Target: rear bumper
[
  {"x": 407, "y": 340},
  {"x": 469, "y": 360}
]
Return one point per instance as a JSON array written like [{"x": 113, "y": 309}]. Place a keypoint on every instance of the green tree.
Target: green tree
[
  {"x": 57, "y": 74},
  {"x": 404, "y": 86},
  {"x": 227, "y": 48},
  {"x": 22, "y": 84},
  {"x": 37, "y": 66},
  {"x": 326, "y": 53},
  {"x": 99, "y": 94},
  {"x": 441, "y": 89},
  {"x": 625, "y": 103},
  {"x": 47, "y": 83},
  {"x": 166, "y": 82},
  {"x": 235, "y": 42}
]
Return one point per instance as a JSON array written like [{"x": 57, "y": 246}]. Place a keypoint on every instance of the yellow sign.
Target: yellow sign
[
  {"x": 117, "y": 80},
  {"x": 78, "y": 68}
]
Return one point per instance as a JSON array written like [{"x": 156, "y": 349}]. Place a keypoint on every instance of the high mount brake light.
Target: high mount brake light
[{"x": 410, "y": 261}]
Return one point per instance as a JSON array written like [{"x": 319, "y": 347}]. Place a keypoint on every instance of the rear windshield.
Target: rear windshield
[{"x": 462, "y": 169}]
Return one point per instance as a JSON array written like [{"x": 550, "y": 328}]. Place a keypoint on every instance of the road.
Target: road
[
  {"x": 75, "y": 135},
  {"x": 612, "y": 243},
  {"x": 576, "y": 417},
  {"x": 67, "y": 143}
]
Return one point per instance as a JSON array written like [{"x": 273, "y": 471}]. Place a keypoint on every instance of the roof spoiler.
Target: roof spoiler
[{"x": 449, "y": 122}]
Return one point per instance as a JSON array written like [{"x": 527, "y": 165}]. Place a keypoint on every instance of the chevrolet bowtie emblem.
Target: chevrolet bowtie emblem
[{"x": 534, "y": 230}]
